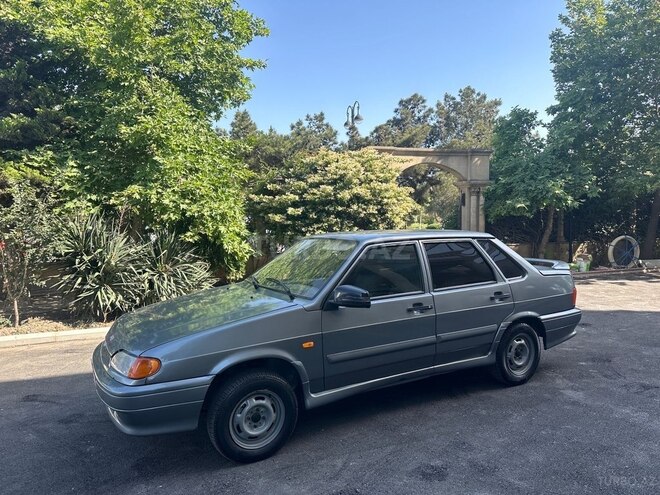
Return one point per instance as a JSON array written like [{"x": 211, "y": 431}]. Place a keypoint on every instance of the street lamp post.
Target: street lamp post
[{"x": 353, "y": 116}]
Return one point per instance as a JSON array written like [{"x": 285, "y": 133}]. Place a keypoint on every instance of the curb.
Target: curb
[
  {"x": 611, "y": 272},
  {"x": 49, "y": 337}
]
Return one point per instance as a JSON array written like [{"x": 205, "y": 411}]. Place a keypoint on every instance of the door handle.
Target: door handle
[
  {"x": 419, "y": 308},
  {"x": 499, "y": 296}
]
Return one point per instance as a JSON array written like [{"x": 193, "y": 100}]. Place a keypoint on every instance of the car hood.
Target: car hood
[{"x": 169, "y": 320}]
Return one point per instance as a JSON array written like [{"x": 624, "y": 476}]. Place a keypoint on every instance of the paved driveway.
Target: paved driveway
[{"x": 589, "y": 421}]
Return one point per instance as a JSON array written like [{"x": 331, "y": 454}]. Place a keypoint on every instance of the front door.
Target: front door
[
  {"x": 471, "y": 300},
  {"x": 396, "y": 334}
]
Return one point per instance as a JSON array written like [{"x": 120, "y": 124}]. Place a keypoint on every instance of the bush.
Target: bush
[
  {"x": 105, "y": 272},
  {"x": 25, "y": 231},
  {"x": 171, "y": 269},
  {"x": 98, "y": 267},
  {"x": 330, "y": 192}
]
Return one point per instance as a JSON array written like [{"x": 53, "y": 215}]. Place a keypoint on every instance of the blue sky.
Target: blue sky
[{"x": 323, "y": 55}]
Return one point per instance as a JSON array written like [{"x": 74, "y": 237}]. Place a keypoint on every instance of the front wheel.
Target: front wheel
[
  {"x": 518, "y": 355},
  {"x": 252, "y": 416}
]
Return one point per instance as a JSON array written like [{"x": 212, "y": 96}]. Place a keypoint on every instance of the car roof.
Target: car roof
[{"x": 400, "y": 235}]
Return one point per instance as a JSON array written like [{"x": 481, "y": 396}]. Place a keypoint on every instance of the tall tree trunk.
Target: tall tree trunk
[
  {"x": 560, "y": 226},
  {"x": 652, "y": 229},
  {"x": 561, "y": 240},
  {"x": 16, "y": 316},
  {"x": 548, "y": 230}
]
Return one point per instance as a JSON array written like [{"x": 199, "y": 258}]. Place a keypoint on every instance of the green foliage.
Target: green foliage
[
  {"x": 268, "y": 151},
  {"x": 242, "y": 126},
  {"x": 466, "y": 121},
  {"x": 409, "y": 127},
  {"x": 119, "y": 109},
  {"x": 605, "y": 66},
  {"x": 434, "y": 190},
  {"x": 98, "y": 267},
  {"x": 533, "y": 175},
  {"x": 32, "y": 117},
  {"x": 530, "y": 174},
  {"x": 171, "y": 268},
  {"x": 330, "y": 192},
  {"x": 25, "y": 232},
  {"x": 313, "y": 134},
  {"x": 104, "y": 272},
  {"x": 192, "y": 45}
]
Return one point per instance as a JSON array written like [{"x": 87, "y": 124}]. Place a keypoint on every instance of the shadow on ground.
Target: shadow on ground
[{"x": 589, "y": 413}]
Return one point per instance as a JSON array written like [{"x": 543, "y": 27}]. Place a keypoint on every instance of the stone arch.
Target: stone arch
[{"x": 471, "y": 167}]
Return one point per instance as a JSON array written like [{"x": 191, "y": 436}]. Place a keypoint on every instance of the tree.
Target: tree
[
  {"x": 139, "y": 83},
  {"x": 242, "y": 126},
  {"x": 25, "y": 230},
  {"x": 464, "y": 122},
  {"x": 434, "y": 190},
  {"x": 532, "y": 175},
  {"x": 313, "y": 134},
  {"x": 409, "y": 127},
  {"x": 605, "y": 66},
  {"x": 33, "y": 86},
  {"x": 330, "y": 192},
  {"x": 267, "y": 151},
  {"x": 355, "y": 140}
]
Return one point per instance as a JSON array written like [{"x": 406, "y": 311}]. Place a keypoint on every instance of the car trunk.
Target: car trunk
[{"x": 550, "y": 267}]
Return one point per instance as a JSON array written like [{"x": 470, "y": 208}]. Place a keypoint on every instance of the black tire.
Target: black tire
[
  {"x": 517, "y": 356},
  {"x": 252, "y": 416}
]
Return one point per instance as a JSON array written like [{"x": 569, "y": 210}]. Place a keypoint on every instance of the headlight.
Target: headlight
[{"x": 134, "y": 367}]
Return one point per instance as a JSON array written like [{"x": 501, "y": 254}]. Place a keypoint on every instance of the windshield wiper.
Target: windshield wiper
[
  {"x": 255, "y": 282},
  {"x": 283, "y": 285}
]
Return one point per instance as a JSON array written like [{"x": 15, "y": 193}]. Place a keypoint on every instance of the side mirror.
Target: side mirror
[{"x": 350, "y": 297}]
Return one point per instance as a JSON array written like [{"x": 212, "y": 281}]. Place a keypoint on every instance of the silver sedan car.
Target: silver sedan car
[{"x": 334, "y": 315}]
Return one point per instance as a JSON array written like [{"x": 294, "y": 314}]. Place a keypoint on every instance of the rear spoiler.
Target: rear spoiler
[{"x": 549, "y": 267}]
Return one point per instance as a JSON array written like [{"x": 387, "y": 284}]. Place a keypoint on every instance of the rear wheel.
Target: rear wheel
[
  {"x": 252, "y": 416},
  {"x": 518, "y": 355}
]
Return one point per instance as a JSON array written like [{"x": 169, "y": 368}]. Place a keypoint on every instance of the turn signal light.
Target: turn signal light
[
  {"x": 574, "y": 296},
  {"x": 143, "y": 367}
]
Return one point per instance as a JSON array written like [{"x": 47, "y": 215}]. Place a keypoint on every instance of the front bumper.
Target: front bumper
[
  {"x": 150, "y": 409},
  {"x": 560, "y": 327}
]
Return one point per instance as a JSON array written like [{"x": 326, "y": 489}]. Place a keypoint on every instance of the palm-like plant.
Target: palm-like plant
[
  {"x": 99, "y": 267},
  {"x": 171, "y": 269}
]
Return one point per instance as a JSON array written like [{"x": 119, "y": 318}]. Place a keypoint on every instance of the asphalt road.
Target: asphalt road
[{"x": 588, "y": 422}]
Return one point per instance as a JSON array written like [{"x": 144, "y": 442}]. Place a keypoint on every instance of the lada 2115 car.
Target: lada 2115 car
[{"x": 334, "y": 315}]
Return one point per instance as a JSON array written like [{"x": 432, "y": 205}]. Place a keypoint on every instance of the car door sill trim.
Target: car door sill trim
[
  {"x": 470, "y": 332},
  {"x": 327, "y": 396}
]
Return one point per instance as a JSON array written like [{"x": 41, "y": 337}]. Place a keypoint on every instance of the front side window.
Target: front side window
[
  {"x": 306, "y": 266},
  {"x": 457, "y": 263},
  {"x": 508, "y": 267},
  {"x": 387, "y": 270}
]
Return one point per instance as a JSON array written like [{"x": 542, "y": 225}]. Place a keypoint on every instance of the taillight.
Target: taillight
[{"x": 574, "y": 298}]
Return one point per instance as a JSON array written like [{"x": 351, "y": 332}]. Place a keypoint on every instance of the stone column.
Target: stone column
[
  {"x": 482, "y": 216},
  {"x": 465, "y": 204},
  {"x": 474, "y": 208}
]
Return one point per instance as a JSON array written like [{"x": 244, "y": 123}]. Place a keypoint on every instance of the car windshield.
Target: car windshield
[{"x": 306, "y": 266}]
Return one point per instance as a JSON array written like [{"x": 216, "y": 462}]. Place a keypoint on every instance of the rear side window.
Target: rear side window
[
  {"x": 455, "y": 264},
  {"x": 508, "y": 267},
  {"x": 387, "y": 271}
]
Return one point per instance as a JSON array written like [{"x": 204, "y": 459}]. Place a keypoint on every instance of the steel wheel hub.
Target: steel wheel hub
[
  {"x": 257, "y": 419},
  {"x": 519, "y": 354}
]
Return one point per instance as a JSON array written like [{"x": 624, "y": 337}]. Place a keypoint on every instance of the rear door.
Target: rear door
[
  {"x": 396, "y": 334},
  {"x": 471, "y": 299}
]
